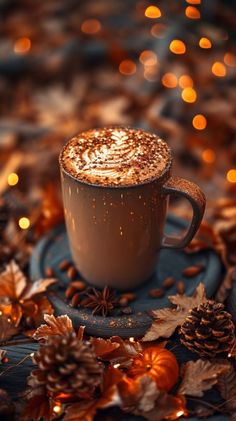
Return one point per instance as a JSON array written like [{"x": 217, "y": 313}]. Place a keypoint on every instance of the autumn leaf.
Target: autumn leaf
[
  {"x": 165, "y": 323},
  {"x": 126, "y": 351},
  {"x": 199, "y": 376},
  {"x": 138, "y": 394},
  {"x": 7, "y": 329},
  {"x": 167, "y": 407},
  {"x": 37, "y": 287},
  {"x": 102, "y": 347},
  {"x": 12, "y": 281},
  {"x": 35, "y": 310},
  {"x": 166, "y": 320},
  {"x": 54, "y": 326},
  {"x": 227, "y": 388},
  {"x": 37, "y": 408},
  {"x": 85, "y": 411}
]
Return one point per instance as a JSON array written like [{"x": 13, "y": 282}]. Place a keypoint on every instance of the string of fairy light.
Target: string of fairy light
[{"x": 148, "y": 60}]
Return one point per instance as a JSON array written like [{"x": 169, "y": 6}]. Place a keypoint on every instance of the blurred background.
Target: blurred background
[{"x": 66, "y": 66}]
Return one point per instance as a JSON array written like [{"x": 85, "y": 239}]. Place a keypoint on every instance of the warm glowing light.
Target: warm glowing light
[
  {"x": 148, "y": 58},
  {"x": 131, "y": 339},
  {"x": 193, "y": 1},
  {"x": 169, "y": 80},
  {"x": 32, "y": 354},
  {"x": 189, "y": 95},
  {"x": 152, "y": 12},
  {"x": 91, "y": 26},
  {"x": 218, "y": 69},
  {"x": 177, "y": 46},
  {"x": 209, "y": 156},
  {"x": 127, "y": 67},
  {"x": 179, "y": 413},
  {"x": 230, "y": 59},
  {"x": 185, "y": 81},
  {"x": 12, "y": 179},
  {"x": 192, "y": 12},
  {"x": 158, "y": 30},
  {"x": 151, "y": 73},
  {"x": 231, "y": 176},
  {"x": 199, "y": 122},
  {"x": 57, "y": 409},
  {"x": 24, "y": 223},
  {"x": 116, "y": 365},
  {"x": 22, "y": 45},
  {"x": 205, "y": 43}
]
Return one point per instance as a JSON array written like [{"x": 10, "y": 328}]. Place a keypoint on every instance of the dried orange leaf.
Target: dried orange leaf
[
  {"x": 37, "y": 287},
  {"x": 37, "y": 408},
  {"x": 165, "y": 323},
  {"x": 103, "y": 347},
  {"x": 199, "y": 376},
  {"x": 186, "y": 303},
  {"x": 138, "y": 394},
  {"x": 12, "y": 281},
  {"x": 55, "y": 326},
  {"x": 7, "y": 329}
]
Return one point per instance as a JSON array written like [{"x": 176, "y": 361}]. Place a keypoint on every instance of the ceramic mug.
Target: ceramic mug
[{"x": 116, "y": 232}]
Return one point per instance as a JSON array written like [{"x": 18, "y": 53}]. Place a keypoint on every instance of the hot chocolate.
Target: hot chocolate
[{"x": 115, "y": 156}]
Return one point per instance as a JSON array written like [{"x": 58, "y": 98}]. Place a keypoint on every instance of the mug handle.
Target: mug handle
[{"x": 189, "y": 190}]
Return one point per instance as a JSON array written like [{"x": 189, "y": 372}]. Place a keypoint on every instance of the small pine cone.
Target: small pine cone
[
  {"x": 67, "y": 365},
  {"x": 208, "y": 330}
]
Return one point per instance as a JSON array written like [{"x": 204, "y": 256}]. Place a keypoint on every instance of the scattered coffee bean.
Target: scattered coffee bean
[
  {"x": 70, "y": 291},
  {"x": 75, "y": 300},
  {"x": 49, "y": 272},
  {"x": 71, "y": 272},
  {"x": 180, "y": 287},
  {"x": 130, "y": 296},
  {"x": 168, "y": 282},
  {"x": 156, "y": 292},
  {"x": 79, "y": 285},
  {"x": 192, "y": 271},
  {"x": 64, "y": 265},
  {"x": 126, "y": 310},
  {"x": 123, "y": 302}
]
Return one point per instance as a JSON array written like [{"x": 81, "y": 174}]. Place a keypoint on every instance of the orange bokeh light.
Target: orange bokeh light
[
  {"x": 231, "y": 175},
  {"x": 152, "y": 12},
  {"x": 91, "y": 26},
  {"x": 208, "y": 156},
  {"x": 177, "y": 46},
  {"x": 199, "y": 122},
  {"x": 22, "y": 45},
  {"x": 205, "y": 43},
  {"x": 158, "y": 30},
  {"x": 193, "y": 1},
  {"x": 230, "y": 59},
  {"x": 189, "y": 95},
  {"x": 169, "y": 80},
  {"x": 185, "y": 81},
  {"x": 218, "y": 69},
  {"x": 148, "y": 58},
  {"x": 192, "y": 12},
  {"x": 127, "y": 67}
]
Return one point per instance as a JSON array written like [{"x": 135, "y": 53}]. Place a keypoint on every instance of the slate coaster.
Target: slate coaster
[{"x": 54, "y": 248}]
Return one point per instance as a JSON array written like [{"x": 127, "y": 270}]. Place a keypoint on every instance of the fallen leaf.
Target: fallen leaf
[
  {"x": 54, "y": 326},
  {"x": 187, "y": 303},
  {"x": 123, "y": 354},
  {"x": 167, "y": 407},
  {"x": 227, "y": 388},
  {"x": 37, "y": 408},
  {"x": 138, "y": 394},
  {"x": 102, "y": 347},
  {"x": 12, "y": 281},
  {"x": 7, "y": 329},
  {"x": 199, "y": 376},
  {"x": 41, "y": 307},
  {"x": 165, "y": 323},
  {"x": 37, "y": 287}
]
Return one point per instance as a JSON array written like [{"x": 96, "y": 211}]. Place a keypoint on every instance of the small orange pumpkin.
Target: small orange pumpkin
[{"x": 158, "y": 363}]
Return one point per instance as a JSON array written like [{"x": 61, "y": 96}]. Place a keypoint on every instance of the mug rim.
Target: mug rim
[{"x": 158, "y": 179}]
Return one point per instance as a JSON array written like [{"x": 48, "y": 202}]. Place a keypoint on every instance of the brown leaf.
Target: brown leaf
[
  {"x": 125, "y": 352},
  {"x": 35, "y": 310},
  {"x": 200, "y": 376},
  {"x": 55, "y": 326},
  {"x": 82, "y": 411},
  {"x": 167, "y": 407},
  {"x": 12, "y": 311},
  {"x": 37, "y": 408},
  {"x": 165, "y": 323},
  {"x": 103, "y": 347},
  {"x": 37, "y": 287},
  {"x": 7, "y": 329},
  {"x": 186, "y": 303},
  {"x": 227, "y": 388},
  {"x": 12, "y": 281},
  {"x": 139, "y": 394}
]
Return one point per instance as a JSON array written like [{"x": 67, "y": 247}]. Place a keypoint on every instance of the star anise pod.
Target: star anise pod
[{"x": 102, "y": 302}]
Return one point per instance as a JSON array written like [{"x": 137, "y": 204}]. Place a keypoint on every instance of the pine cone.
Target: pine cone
[
  {"x": 208, "y": 330},
  {"x": 67, "y": 364}
]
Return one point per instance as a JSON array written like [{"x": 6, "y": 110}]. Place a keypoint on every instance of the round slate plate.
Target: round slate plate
[{"x": 54, "y": 248}]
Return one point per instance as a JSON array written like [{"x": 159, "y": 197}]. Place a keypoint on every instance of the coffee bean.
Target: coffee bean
[
  {"x": 156, "y": 292},
  {"x": 130, "y": 296},
  {"x": 192, "y": 271},
  {"x": 168, "y": 282},
  {"x": 75, "y": 300},
  {"x": 70, "y": 291},
  {"x": 64, "y": 265},
  {"x": 180, "y": 287},
  {"x": 123, "y": 302},
  {"x": 49, "y": 272},
  {"x": 71, "y": 272},
  {"x": 79, "y": 285}
]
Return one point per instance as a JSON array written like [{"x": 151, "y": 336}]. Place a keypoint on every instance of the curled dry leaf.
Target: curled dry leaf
[
  {"x": 12, "y": 281},
  {"x": 227, "y": 388},
  {"x": 139, "y": 394},
  {"x": 166, "y": 320},
  {"x": 167, "y": 407},
  {"x": 54, "y": 326},
  {"x": 37, "y": 287},
  {"x": 37, "y": 408},
  {"x": 7, "y": 329},
  {"x": 126, "y": 351},
  {"x": 199, "y": 376},
  {"x": 103, "y": 347}
]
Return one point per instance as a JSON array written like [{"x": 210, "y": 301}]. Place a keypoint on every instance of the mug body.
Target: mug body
[{"x": 114, "y": 233}]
